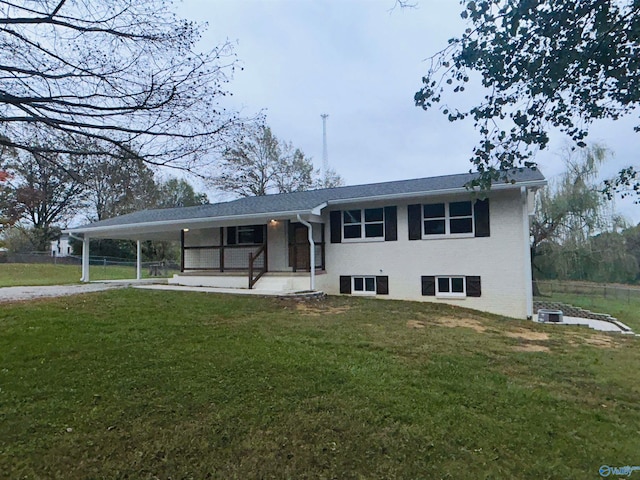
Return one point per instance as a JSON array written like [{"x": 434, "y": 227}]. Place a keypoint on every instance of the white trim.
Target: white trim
[
  {"x": 85, "y": 259},
  {"x": 432, "y": 193},
  {"x": 364, "y": 291},
  {"x": 451, "y": 294},
  {"x": 138, "y": 260},
  {"x": 447, "y": 221},
  {"x": 363, "y": 226},
  {"x": 187, "y": 222},
  {"x": 528, "y": 274}
]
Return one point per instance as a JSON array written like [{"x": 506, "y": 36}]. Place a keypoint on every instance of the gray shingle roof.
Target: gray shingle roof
[{"x": 306, "y": 201}]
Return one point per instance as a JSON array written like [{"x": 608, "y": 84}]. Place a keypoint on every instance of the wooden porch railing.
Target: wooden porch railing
[{"x": 253, "y": 257}]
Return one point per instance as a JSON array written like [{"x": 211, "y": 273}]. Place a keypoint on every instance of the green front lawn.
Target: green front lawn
[
  {"x": 146, "y": 384},
  {"x": 18, "y": 274}
]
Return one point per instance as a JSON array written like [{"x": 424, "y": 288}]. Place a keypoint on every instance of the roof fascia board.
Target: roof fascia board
[
  {"x": 188, "y": 222},
  {"x": 318, "y": 210},
  {"x": 433, "y": 193}
]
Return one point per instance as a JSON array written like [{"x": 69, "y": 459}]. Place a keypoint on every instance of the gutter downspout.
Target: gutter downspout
[
  {"x": 527, "y": 253},
  {"x": 312, "y": 253}
]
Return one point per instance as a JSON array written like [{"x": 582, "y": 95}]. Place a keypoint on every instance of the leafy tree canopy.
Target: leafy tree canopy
[
  {"x": 45, "y": 190},
  {"x": 177, "y": 192},
  {"x": 544, "y": 64},
  {"x": 574, "y": 231},
  {"x": 260, "y": 164}
]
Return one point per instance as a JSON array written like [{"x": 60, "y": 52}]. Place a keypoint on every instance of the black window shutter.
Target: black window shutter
[
  {"x": 345, "y": 284},
  {"x": 258, "y": 234},
  {"x": 231, "y": 235},
  {"x": 429, "y": 286},
  {"x": 414, "y": 214},
  {"x": 382, "y": 285},
  {"x": 481, "y": 214},
  {"x": 390, "y": 224},
  {"x": 335, "y": 223},
  {"x": 473, "y": 287}
]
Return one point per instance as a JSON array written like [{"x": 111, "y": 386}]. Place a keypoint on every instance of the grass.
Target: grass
[
  {"x": 15, "y": 274},
  {"x": 623, "y": 303},
  {"x": 626, "y": 311},
  {"x": 146, "y": 384}
]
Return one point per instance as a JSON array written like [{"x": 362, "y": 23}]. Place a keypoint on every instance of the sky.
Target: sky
[{"x": 361, "y": 62}]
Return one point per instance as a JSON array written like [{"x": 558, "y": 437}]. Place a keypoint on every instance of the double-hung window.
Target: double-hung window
[
  {"x": 447, "y": 218},
  {"x": 363, "y": 223}
]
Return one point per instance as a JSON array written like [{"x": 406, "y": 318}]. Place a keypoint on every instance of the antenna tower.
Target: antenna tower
[{"x": 325, "y": 154}]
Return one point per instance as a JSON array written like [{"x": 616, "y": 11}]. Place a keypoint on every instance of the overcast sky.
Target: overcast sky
[{"x": 361, "y": 62}]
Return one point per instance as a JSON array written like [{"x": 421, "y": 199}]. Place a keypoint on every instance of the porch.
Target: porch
[
  {"x": 239, "y": 256},
  {"x": 274, "y": 255}
]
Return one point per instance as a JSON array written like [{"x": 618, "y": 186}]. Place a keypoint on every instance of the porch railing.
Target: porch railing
[
  {"x": 257, "y": 265},
  {"x": 219, "y": 258}
]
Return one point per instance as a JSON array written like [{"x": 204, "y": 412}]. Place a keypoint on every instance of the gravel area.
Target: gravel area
[{"x": 15, "y": 294}]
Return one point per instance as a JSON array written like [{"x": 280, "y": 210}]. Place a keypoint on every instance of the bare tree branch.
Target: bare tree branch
[{"x": 124, "y": 72}]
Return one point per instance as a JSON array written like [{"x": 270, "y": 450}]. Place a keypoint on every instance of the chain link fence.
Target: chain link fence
[
  {"x": 626, "y": 293},
  {"x": 101, "y": 267}
]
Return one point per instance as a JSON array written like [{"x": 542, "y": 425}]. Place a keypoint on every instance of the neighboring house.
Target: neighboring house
[
  {"x": 61, "y": 247},
  {"x": 427, "y": 239}
]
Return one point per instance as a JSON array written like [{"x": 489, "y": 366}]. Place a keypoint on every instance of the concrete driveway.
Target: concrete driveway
[{"x": 16, "y": 294}]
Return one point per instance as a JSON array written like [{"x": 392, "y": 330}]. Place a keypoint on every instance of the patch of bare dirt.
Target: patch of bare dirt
[
  {"x": 527, "y": 335},
  {"x": 315, "y": 310},
  {"x": 461, "y": 322},
  {"x": 531, "y": 347},
  {"x": 600, "y": 341},
  {"x": 415, "y": 324},
  {"x": 597, "y": 340}
]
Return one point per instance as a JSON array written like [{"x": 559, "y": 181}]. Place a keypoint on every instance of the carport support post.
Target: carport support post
[
  {"x": 85, "y": 259},
  {"x": 138, "y": 260}
]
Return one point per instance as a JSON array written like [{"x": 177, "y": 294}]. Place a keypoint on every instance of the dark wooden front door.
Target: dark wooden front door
[{"x": 298, "y": 247}]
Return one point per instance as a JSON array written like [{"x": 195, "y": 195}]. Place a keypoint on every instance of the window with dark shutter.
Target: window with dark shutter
[
  {"x": 473, "y": 286},
  {"x": 345, "y": 283},
  {"x": 390, "y": 224},
  {"x": 429, "y": 286},
  {"x": 481, "y": 218},
  {"x": 382, "y": 285},
  {"x": 335, "y": 225},
  {"x": 414, "y": 216}
]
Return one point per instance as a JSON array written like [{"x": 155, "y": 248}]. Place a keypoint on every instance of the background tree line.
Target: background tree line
[
  {"x": 576, "y": 233},
  {"x": 43, "y": 192}
]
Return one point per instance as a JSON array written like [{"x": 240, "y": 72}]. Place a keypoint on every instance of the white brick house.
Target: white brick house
[{"x": 428, "y": 239}]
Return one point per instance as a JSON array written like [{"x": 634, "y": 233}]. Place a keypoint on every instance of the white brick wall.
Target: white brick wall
[{"x": 499, "y": 259}]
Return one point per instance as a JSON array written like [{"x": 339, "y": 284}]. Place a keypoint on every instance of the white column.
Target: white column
[
  {"x": 312, "y": 254},
  {"x": 138, "y": 260},
  {"x": 85, "y": 259},
  {"x": 528, "y": 278}
]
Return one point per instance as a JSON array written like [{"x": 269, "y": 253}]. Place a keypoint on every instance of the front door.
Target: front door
[{"x": 299, "y": 248}]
